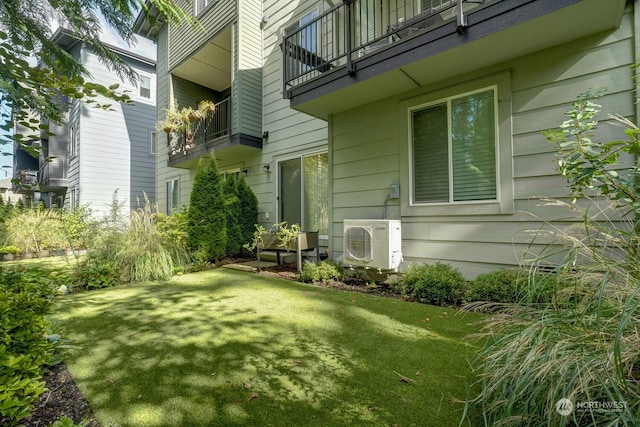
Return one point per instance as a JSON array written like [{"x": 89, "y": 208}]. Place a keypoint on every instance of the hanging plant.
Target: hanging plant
[
  {"x": 179, "y": 121},
  {"x": 194, "y": 116},
  {"x": 176, "y": 120},
  {"x": 206, "y": 106}
]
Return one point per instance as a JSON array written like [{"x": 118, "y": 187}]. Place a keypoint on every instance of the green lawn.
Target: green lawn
[{"x": 224, "y": 348}]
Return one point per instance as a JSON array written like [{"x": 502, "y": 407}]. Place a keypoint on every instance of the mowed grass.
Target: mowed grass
[{"x": 225, "y": 348}]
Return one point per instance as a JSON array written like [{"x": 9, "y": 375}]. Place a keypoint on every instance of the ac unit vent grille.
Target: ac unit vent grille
[{"x": 358, "y": 243}]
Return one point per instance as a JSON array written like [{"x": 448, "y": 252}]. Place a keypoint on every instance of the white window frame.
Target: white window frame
[
  {"x": 73, "y": 141},
  {"x": 153, "y": 143},
  {"x": 231, "y": 172},
  {"x": 142, "y": 86},
  {"x": 170, "y": 186},
  {"x": 504, "y": 202},
  {"x": 152, "y": 88},
  {"x": 447, "y": 101},
  {"x": 73, "y": 202},
  {"x": 201, "y": 5}
]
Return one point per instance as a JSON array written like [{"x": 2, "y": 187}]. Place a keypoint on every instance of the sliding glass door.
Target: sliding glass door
[{"x": 303, "y": 192}]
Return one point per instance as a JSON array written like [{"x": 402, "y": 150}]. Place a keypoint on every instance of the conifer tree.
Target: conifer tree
[
  {"x": 206, "y": 217},
  {"x": 249, "y": 209},
  {"x": 234, "y": 213}
]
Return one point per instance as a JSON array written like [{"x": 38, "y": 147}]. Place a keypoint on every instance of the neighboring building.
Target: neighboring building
[
  {"x": 96, "y": 152},
  {"x": 6, "y": 191},
  {"x": 332, "y": 108}
]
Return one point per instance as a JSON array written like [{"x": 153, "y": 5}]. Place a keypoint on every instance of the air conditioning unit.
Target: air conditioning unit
[{"x": 372, "y": 243}]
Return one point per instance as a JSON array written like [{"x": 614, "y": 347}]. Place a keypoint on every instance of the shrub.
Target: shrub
[
  {"x": 249, "y": 216},
  {"x": 9, "y": 249},
  {"x": 25, "y": 298},
  {"x": 234, "y": 213},
  {"x": 437, "y": 284},
  {"x": 497, "y": 286},
  {"x": 79, "y": 227},
  {"x": 323, "y": 271},
  {"x": 173, "y": 233},
  {"x": 93, "y": 273},
  {"x": 206, "y": 215}
]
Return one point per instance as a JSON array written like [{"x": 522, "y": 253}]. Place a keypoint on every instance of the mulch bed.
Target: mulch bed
[{"x": 62, "y": 398}]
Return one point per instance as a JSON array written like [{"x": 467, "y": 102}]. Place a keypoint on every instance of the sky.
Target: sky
[{"x": 144, "y": 47}]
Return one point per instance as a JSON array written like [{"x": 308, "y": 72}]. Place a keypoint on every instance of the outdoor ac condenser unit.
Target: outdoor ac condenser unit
[{"x": 372, "y": 243}]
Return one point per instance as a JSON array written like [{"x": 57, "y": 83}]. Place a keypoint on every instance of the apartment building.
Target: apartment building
[
  {"x": 96, "y": 153},
  {"x": 429, "y": 112}
]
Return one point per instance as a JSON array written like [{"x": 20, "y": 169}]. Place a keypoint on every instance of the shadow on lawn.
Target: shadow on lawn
[{"x": 227, "y": 348}]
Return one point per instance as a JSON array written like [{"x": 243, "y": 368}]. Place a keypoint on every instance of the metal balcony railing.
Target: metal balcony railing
[
  {"x": 215, "y": 124},
  {"x": 357, "y": 28},
  {"x": 28, "y": 177}
]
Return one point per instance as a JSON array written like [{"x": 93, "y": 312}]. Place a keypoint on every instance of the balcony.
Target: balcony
[
  {"x": 26, "y": 181},
  {"x": 361, "y": 51},
  {"x": 53, "y": 175},
  {"x": 211, "y": 133}
]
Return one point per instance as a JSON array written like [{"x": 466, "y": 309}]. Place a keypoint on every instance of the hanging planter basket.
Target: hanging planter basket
[{"x": 194, "y": 116}]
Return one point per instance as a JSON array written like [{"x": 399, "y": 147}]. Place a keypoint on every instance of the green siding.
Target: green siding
[
  {"x": 187, "y": 93},
  {"x": 164, "y": 94},
  {"x": 368, "y": 152},
  {"x": 248, "y": 68},
  {"x": 184, "y": 39}
]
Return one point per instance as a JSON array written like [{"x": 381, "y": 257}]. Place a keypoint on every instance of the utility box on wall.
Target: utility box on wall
[{"x": 372, "y": 243}]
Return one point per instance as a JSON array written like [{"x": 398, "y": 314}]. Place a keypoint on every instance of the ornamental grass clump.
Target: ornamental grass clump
[
  {"x": 146, "y": 247},
  {"x": 574, "y": 358}
]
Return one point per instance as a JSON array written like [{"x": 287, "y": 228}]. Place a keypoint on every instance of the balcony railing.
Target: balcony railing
[
  {"x": 28, "y": 177},
  {"x": 357, "y": 28},
  {"x": 214, "y": 125}
]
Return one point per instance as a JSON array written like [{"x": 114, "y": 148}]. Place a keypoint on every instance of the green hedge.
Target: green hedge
[
  {"x": 437, "y": 284},
  {"x": 25, "y": 298}
]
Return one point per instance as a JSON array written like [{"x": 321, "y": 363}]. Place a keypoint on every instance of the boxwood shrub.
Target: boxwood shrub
[
  {"x": 504, "y": 286},
  {"x": 437, "y": 284}
]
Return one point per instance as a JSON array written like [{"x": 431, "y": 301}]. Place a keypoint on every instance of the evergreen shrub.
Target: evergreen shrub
[
  {"x": 207, "y": 219},
  {"x": 25, "y": 299},
  {"x": 323, "y": 271},
  {"x": 437, "y": 284}
]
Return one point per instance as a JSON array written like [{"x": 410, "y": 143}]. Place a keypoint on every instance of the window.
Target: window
[
  {"x": 72, "y": 200},
  {"x": 235, "y": 173},
  {"x": 73, "y": 141},
  {"x": 459, "y": 152},
  {"x": 173, "y": 196},
  {"x": 153, "y": 143},
  {"x": 454, "y": 149},
  {"x": 201, "y": 5},
  {"x": 145, "y": 87}
]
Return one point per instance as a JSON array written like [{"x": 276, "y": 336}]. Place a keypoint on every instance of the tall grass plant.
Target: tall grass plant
[{"x": 574, "y": 359}]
